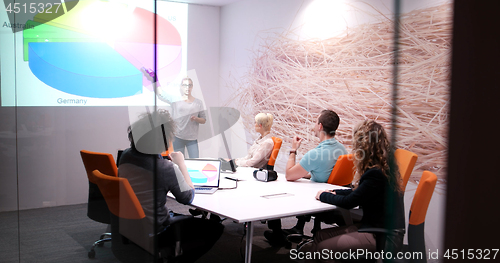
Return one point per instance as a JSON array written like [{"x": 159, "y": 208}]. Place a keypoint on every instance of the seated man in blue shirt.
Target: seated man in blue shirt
[{"x": 317, "y": 164}]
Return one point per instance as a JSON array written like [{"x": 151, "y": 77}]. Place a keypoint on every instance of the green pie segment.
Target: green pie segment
[{"x": 47, "y": 33}]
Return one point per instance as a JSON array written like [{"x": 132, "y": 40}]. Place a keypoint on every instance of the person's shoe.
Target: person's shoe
[
  {"x": 197, "y": 212},
  {"x": 294, "y": 234},
  {"x": 293, "y": 230},
  {"x": 276, "y": 239},
  {"x": 215, "y": 218}
]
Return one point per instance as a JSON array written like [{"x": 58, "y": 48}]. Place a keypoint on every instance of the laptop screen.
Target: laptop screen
[{"x": 204, "y": 172}]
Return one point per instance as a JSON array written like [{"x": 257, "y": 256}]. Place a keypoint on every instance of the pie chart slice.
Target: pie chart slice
[
  {"x": 85, "y": 69},
  {"x": 144, "y": 53},
  {"x": 197, "y": 177},
  {"x": 47, "y": 33},
  {"x": 168, "y": 63},
  {"x": 141, "y": 29},
  {"x": 210, "y": 172}
]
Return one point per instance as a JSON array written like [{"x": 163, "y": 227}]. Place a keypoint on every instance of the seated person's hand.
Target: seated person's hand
[
  {"x": 176, "y": 157},
  {"x": 322, "y": 191},
  {"x": 296, "y": 142}
]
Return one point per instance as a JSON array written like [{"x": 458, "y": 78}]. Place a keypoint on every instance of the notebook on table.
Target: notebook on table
[{"x": 205, "y": 174}]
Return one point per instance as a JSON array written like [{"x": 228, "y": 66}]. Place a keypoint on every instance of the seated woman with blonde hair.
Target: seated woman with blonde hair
[
  {"x": 258, "y": 154},
  {"x": 260, "y": 151}
]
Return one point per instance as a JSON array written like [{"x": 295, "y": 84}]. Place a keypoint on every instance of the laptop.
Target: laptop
[{"x": 205, "y": 174}]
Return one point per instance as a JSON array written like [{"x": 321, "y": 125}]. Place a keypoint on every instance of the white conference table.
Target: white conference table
[{"x": 253, "y": 201}]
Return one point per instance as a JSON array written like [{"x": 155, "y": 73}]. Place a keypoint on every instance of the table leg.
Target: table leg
[{"x": 248, "y": 246}]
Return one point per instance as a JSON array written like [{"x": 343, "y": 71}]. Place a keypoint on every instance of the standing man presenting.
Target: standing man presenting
[{"x": 317, "y": 164}]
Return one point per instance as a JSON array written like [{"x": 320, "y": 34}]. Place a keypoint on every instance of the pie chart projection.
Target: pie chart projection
[
  {"x": 97, "y": 49},
  {"x": 70, "y": 67},
  {"x": 206, "y": 175}
]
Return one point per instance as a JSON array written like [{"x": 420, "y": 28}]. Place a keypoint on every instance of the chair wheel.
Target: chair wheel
[{"x": 91, "y": 254}]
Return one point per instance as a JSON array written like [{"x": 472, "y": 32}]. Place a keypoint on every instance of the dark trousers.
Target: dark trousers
[
  {"x": 328, "y": 217},
  {"x": 274, "y": 225},
  {"x": 197, "y": 237}
]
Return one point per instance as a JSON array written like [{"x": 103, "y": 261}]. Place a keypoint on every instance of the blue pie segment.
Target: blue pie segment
[
  {"x": 86, "y": 69},
  {"x": 197, "y": 177}
]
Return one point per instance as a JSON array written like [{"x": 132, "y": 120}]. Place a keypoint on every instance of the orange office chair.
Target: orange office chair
[
  {"x": 119, "y": 196},
  {"x": 406, "y": 161},
  {"x": 129, "y": 222},
  {"x": 342, "y": 174},
  {"x": 126, "y": 215},
  {"x": 418, "y": 211},
  {"x": 343, "y": 171},
  {"x": 416, "y": 223},
  {"x": 274, "y": 153},
  {"x": 97, "y": 208}
]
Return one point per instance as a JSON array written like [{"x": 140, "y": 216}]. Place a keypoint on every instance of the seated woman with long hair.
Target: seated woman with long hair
[{"x": 378, "y": 191}]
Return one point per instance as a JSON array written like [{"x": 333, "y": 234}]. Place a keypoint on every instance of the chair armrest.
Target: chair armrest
[
  {"x": 378, "y": 230},
  {"x": 375, "y": 230}
]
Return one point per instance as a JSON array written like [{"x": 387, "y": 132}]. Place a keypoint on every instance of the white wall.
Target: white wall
[
  {"x": 243, "y": 26},
  {"x": 203, "y": 49}
]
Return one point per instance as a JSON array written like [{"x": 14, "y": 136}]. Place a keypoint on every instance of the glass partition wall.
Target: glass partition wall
[{"x": 76, "y": 74}]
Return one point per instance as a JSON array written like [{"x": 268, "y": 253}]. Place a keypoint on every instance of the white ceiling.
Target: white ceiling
[{"x": 208, "y": 2}]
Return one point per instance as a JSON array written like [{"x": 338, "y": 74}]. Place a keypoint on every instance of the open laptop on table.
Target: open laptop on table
[{"x": 205, "y": 174}]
